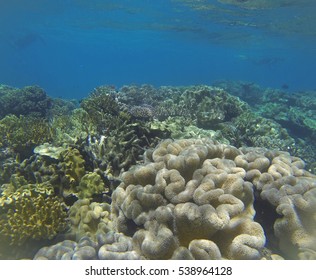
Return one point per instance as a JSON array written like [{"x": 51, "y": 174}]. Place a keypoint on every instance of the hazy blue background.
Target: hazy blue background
[{"x": 69, "y": 47}]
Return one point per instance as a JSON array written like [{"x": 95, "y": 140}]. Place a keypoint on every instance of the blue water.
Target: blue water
[{"x": 70, "y": 47}]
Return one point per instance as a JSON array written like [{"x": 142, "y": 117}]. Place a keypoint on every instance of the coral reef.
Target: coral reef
[
  {"x": 256, "y": 131},
  {"x": 28, "y": 214},
  {"x": 22, "y": 133},
  {"x": 88, "y": 219},
  {"x": 293, "y": 111},
  {"x": 101, "y": 106},
  {"x": 212, "y": 105},
  {"x": 28, "y": 101},
  {"x": 72, "y": 127},
  {"x": 72, "y": 163},
  {"x": 123, "y": 145},
  {"x": 109, "y": 246},
  {"x": 90, "y": 182},
  {"x": 196, "y": 196}
]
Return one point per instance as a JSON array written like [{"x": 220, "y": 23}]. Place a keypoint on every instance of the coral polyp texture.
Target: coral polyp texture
[{"x": 194, "y": 199}]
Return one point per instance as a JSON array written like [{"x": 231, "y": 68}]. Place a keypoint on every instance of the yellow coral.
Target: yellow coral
[
  {"x": 73, "y": 165},
  {"x": 34, "y": 218},
  {"x": 91, "y": 184},
  {"x": 23, "y": 133}
]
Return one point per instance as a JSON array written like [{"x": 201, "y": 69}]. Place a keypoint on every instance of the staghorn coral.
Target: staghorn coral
[
  {"x": 195, "y": 199},
  {"x": 72, "y": 127},
  {"x": 122, "y": 146},
  {"x": 101, "y": 107}
]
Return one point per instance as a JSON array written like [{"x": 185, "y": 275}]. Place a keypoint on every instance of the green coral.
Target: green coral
[{"x": 91, "y": 184}]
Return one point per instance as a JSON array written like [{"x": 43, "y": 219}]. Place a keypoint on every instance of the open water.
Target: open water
[{"x": 69, "y": 47}]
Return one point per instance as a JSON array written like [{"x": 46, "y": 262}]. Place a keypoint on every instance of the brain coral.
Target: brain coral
[{"x": 194, "y": 199}]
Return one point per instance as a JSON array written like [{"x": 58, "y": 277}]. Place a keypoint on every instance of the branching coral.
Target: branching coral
[{"x": 22, "y": 134}]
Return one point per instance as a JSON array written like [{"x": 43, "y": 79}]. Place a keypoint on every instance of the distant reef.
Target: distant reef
[{"x": 195, "y": 172}]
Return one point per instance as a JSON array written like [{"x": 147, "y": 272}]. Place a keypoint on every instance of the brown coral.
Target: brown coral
[
  {"x": 195, "y": 199},
  {"x": 32, "y": 218}
]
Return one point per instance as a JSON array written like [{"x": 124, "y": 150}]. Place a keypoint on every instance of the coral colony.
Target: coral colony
[{"x": 197, "y": 172}]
